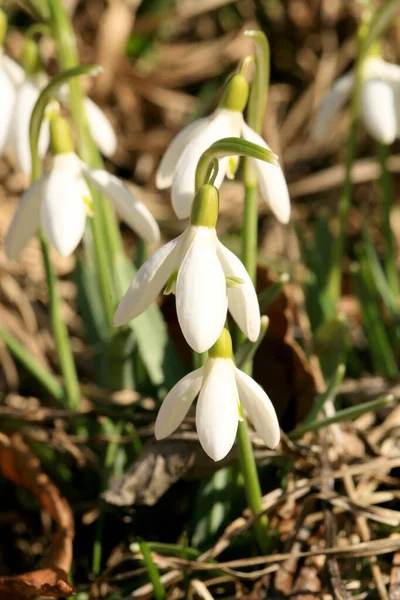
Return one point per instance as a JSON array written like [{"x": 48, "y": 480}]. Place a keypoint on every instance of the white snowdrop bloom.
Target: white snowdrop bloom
[
  {"x": 8, "y": 87},
  {"x": 60, "y": 201},
  {"x": 18, "y": 139},
  {"x": 223, "y": 391},
  {"x": 379, "y": 101},
  {"x": 100, "y": 127},
  {"x": 27, "y": 85},
  {"x": 11, "y": 76},
  {"x": 178, "y": 165},
  {"x": 206, "y": 277}
]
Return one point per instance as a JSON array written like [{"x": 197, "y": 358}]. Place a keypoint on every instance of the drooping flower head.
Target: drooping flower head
[
  {"x": 379, "y": 101},
  {"x": 224, "y": 393},
  {"x": 207, "y": 279},
  {"x": 60, "y": 201},
  {"x": 23, "y": 86},
  {"x": 178, "y": 165}
]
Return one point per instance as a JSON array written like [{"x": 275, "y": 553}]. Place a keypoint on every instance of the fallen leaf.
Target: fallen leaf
[
  {"x": 281, "y": 366},
  {"x": 152, "y": 474},
  {"x": 22, "y": 467}
]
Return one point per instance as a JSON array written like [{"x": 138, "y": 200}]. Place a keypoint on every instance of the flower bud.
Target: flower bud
[
  {"x": 204, "y": 212},
  {"x": 236, "y": 93},
  {"x": 3, "y": 26},
  {"x": 222, "y": 347},
  {"x": 60, "y": 136},
  {"x": 30, "y": 57}
]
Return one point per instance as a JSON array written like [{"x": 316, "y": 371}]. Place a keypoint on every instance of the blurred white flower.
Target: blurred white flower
[
  {"x": 379, "y": 101},
  {"x": 206, "y": 277},
  {"x": 178, "y": 165},
  {"x": 60, "y": 201},
  {"x": 11, "y": 74},
  {"x": 26, "y": 91},
  {"x": 223, "y": 390}
]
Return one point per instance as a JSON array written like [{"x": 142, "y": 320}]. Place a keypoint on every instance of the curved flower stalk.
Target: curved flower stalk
[
  {"x": 178, "y": 165},
  {"x": 379, "y": 101},
  {"x": 223, "y": 391},
  {"x": 207, "y": 278},
  {"x": 60, "y": 201},
  {"x": 27, "y": 85}
]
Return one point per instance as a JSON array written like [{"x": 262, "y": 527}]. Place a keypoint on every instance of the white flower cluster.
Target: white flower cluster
[
  {"x": 20, "y": 91},
  {"x": 207, "y": 278}
]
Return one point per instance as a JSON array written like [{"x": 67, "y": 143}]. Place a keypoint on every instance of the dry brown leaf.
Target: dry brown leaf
[
  {"x": 157, "y": 468},
  {"x": 290, "y": 378},
  {"x": 22, "y": 467}
]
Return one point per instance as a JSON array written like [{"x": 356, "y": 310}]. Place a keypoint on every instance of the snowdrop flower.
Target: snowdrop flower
[
  {"x": 223, "y": 390},
  {"x": 206, "y": 277},
  {"x": 28, "y": 90},
  {"x": 29, "y": 82},
  {"x": 379, "y": 102},
  {"x": 178, "y": 165},
  {"x": 60, "y": 200},
  {"x": 11, "y": 76}
]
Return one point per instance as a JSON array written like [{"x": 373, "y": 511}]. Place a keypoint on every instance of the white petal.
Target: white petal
[
  {"x": 242, "y": 299},
  {"x": 63, "y": 209},
  {"x": 148, "y": 282},
  {"x": 259, "y": 408},
  {"x": 176, "y": 404},
  {"x": 327, "y": 112},
  {"x": 133, "y": 212},
  {"x": 8, "y": 96},
  {"x": 271, "y": 180},
  {"x": 26, "y": 220},
  {"x": 201, "y": 301},
  {"x": 25, "y": 102},
  {"x": 169, "y": 161},
  {"x": 14, "y": 70},
  {"x": 217, "y": 412},
  {"x": 225, "y": 123},
  {"x": 378, "y": 110},
  {"x": 101, "y": 128}
]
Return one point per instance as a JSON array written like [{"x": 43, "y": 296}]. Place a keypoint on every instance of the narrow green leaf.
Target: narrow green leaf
[
  {"x": 320, "y": 400},
  {"x": 33, "y": 366},
  {"x": 154, "y": 575},
  {"x": 347, "y": 414}
]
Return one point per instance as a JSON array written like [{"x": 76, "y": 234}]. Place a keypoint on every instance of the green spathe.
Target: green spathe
[
  {"x": 31, "y": 60},
  {"x": 222, "y": 347},
  {"x": 3, "y": 26},
  {"x": 60, "y": 136},
  {"x": 236, "y": 93},
  {"x": 204, "y": 211}
]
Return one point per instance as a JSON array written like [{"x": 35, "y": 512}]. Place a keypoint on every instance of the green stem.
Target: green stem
[
  {"x": 387, "y": 196},
  {"x": 105, "y": 229},
  {"x": 244, "y": 446},
  {"x": 48, "y": 381},
  {"x": 109, "y": 463},
  {"x": 60, "y": 332},
  {"x": 59, "y": 328},
  {"x": 334, "y": 283}
]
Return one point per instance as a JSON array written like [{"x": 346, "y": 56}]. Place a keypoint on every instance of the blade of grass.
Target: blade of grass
[
  {"x": 347, "y": 414},
  {"x": 33, "y": 366},
  {"x": 154, "y": 574}
]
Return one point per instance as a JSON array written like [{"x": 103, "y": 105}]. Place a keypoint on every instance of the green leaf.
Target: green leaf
[
  {"x": 331, "y": 342},
  {"x": 213, "y": 505}
]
